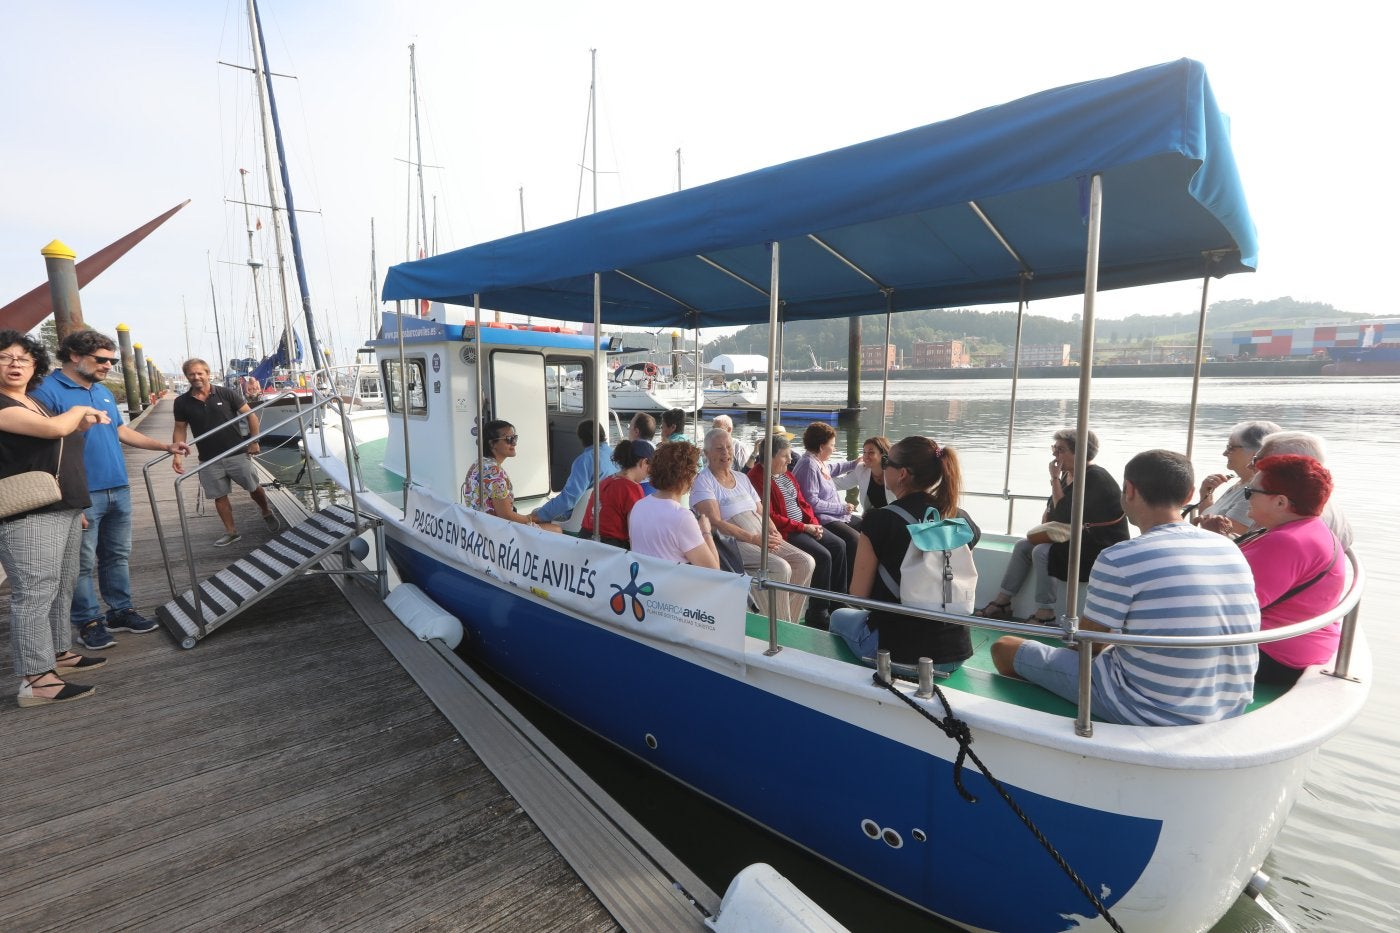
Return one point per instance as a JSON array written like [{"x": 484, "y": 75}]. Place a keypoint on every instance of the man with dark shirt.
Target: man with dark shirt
[
  {"x": 87, "y": 356},
  {"x": 204, "y": 408}
]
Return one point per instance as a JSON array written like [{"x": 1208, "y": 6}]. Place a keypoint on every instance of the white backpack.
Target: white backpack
[{"x": 945, "y": 580}]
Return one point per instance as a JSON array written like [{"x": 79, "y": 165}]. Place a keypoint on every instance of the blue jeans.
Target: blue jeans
[
  {"x": 851, "y": 625},
  {"x": 106, "y": 548}
]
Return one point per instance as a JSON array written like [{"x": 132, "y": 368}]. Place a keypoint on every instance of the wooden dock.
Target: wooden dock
[{"x": 289, "y": 772}]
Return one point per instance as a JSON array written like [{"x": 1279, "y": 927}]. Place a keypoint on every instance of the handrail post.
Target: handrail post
[
  {"x": 1015, "y": 385},
  {"x": 1083, "y": 725},
  {"x": 767, "y": 491}
]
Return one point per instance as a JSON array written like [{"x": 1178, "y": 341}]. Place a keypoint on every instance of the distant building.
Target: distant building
[
  {"x": 739, "y": 363},
  {"x": 1301, "y": 342},
  {"x": 1041, "y": 354},
  {"x": 877, "y": 356},
  {"x": 944, "y": 354}
]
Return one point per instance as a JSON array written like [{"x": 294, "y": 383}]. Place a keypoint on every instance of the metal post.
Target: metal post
[
  {"x": 481, "y": 440},
  {"x": 1200, "y": 355},
  {"x": 1083, "y": 724},
  {"x": 593, "y": 403},
  {"x": 134, "y": 404},
  {"x": 885, "y": 383},
  {"x": 63, "y": 288},
  {"x": 1015, "y": 384},
  {"x": 767, "y": 459},
  {"x": 1086, "y": 376},
  {"x": 925, "y": 690},
  {"x": 853, "y": 362},
  {"x": 403, "y": 407},
  {"x": 882, "y": 666}
]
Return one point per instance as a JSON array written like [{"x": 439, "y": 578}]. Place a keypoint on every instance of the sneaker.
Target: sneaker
[
  {"x": 129, "y": 620},
  {"x": 94, "y": 635},
  {"x": 227, "y": 539},
  {"x": 272, "y": 522},
  {"x": 28, "y": 695}
]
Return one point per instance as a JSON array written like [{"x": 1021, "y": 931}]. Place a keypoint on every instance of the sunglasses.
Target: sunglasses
[
  {"x": 886, "y": 463},
  {"x": 1249, "y": 492},
  {"x": 103, "y": 360},
  {"x": 508, "y": 438}
]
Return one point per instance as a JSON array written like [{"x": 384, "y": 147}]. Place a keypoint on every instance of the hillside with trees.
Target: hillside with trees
[{"x": 989, "y": 334}]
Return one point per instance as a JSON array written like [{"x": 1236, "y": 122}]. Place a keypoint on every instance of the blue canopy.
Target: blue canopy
[{"x": 905, "y": 211}]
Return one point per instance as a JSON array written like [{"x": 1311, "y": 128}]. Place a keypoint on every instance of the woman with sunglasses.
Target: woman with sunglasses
[
  {"x": 39, "y": 547},
  {"x": 490, "y": 491},
  {"x": 868, "y": 475},
  {"x": 1299, "y": 569},
  {"x": 1230, "y": 505},
  {"x": 919, "y": 475},
  {"x": 1104, "y": 525}
]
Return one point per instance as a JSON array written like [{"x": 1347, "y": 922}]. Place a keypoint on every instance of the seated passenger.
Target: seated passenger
[
  {"x": 729, "y": 501},
  {"x": 1173, "y": 579},
  {"x": 580, "y": 479},
  {"x": 920, "y": 476},
  {"x": 1245, "y": 440},
  {"x": 793, "y": 517},
  {"x": 1299, "y": 570},
  {"x": 618, "y": 493},
  {"x": 1104, "y": 525},
  {"x": 742, "y": 456},
  {"x": 660, "y": 524},
  {"x": 868, "y": 476},
  {"x": 673, "y": 426},
  {"x": 490, "y": 491},
  {"x": 1305, "y": 444},
  {"x": 816, "y": 473}
]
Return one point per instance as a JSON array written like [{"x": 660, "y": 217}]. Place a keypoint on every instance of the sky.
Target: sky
[{"x": 116, "y": 112}]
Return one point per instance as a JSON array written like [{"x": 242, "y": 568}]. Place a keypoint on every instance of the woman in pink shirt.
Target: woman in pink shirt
[{"x": 1299, "y": 569}]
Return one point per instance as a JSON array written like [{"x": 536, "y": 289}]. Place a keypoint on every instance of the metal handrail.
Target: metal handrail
[
  {"x": 1348, "y": 607},
  {"x": 203, "y": 464}
]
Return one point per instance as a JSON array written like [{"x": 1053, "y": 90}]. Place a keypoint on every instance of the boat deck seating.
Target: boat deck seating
[
  {"x": 977, "y": 675},
  {"x": 243, "y": 583}
]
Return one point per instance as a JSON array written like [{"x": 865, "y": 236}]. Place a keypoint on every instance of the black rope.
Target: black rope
[{"x": 959, "y": 732}]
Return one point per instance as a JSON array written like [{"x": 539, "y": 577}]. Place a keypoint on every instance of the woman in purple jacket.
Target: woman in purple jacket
[{"x": 814, "y": 474}]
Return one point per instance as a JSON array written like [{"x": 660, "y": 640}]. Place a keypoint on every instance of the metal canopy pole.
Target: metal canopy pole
[
  {"x": 481, "y": 439},
  {"x": 699, "y": 389},
  {"x": 597, "y": 368},
  {"x": 768, "y": 459},
  {"x": 403, "y": 408},
  {"x": 1210, "y": 258},
  {"x": 885, "y": 353},
  {"x": 1015, "y": 384},
  {"x": 1082, "y": 724}
]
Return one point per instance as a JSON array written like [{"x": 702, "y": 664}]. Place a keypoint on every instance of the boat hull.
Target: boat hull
[{"x": 810, "y": 749}]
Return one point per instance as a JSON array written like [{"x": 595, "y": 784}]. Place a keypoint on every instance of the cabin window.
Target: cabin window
[
  {"x": 417, "y": 381},
  {"x": 564, "y": 386}
]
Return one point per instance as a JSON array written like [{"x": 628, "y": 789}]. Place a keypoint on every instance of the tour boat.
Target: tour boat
[{"x": 1117, "y": 182}]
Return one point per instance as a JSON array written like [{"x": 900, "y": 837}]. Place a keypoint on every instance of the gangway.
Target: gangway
[{"x": 295, "y": 552}]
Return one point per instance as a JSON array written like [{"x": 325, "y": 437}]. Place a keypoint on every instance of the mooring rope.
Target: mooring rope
[{"x": 959, "y": 732}]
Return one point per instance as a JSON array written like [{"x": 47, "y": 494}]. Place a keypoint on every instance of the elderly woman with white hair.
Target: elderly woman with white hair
[
  {"x": 1240, "y": 449},
  {"x": 729, "y": 501},
  {"x": 1302, "y": 444}
]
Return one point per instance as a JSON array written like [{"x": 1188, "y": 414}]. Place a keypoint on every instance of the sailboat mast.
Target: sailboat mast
[
  {"x": 214, "y": 302},
  {"x": 593, "y": 109},
  {"x": 418, "y": 146},
  {"x": 314, "y": 345},
  {"x": 373, "y": 283},
  {"x": 253, "y": 264}
]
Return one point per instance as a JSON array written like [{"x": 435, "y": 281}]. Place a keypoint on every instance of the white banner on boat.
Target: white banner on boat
[{"x": 673, "y": 602}]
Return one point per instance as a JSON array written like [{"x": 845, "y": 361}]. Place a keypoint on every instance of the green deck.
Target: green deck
[{"x": 977, "y": 676}]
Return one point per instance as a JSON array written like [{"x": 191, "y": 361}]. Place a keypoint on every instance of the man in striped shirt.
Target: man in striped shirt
[{"x": 1173, "y": 579}]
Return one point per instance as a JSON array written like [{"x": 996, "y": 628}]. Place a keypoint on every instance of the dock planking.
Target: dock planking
[{"x": 286, "y": 772}]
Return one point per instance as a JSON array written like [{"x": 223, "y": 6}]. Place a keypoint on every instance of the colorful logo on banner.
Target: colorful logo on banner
[{"x": 619, "y": 601}]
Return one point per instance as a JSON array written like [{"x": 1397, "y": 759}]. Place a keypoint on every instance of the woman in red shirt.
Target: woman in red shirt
[
  {"x": 619, "y": 492},
  {"x": 793, "y": 517}
]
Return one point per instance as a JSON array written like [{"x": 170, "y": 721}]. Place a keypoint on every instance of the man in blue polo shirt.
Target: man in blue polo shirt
[
  {"x": 87, "y": 357},
  {"x": 580, "y": 478}
]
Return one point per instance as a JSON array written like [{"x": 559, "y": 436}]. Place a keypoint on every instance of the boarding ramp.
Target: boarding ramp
[{"x": 294, "y": 552}]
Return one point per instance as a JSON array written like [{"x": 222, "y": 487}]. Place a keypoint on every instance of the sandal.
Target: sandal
[
  {"x": 67, "y": 691},
  {"x": 72, "y": 661},
  {"x": 1036, "y": 618},
  {"x": 995, "y": 610}
]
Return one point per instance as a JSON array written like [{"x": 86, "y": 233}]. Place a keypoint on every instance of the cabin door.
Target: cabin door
[
  {"x": 518, "y": 396},
  {"x": 567, "y": 387}
]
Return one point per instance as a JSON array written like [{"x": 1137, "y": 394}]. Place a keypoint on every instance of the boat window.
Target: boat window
[
  {"x": 417, "y": 380},
  {"x": 564, "y": 383}
]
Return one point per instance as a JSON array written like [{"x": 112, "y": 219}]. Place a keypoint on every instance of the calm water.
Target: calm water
[{"x": 1335, "y": 866}]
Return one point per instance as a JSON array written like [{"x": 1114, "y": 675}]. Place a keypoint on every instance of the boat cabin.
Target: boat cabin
[{"x": 520, "y": 370}]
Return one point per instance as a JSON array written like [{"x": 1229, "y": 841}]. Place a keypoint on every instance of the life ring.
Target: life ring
[{"x": 651, "y": 369}]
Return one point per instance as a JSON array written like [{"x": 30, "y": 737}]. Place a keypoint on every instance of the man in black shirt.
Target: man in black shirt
[{"x": 204, "y": 408}]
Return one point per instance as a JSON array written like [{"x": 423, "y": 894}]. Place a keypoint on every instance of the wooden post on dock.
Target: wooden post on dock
[
  {"x": 63, "y": 288},
  {"x": 141, "y": 377},
  {"x": 134, "y": 405},
  {"x": 853, "y": 364}
]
